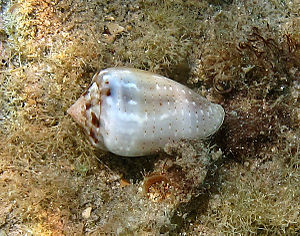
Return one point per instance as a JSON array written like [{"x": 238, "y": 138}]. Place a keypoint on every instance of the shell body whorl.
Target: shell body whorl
[{"x": 132, "y": 112}]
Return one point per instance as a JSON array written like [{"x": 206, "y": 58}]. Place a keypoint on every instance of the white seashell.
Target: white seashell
[{"x": 132, "y": 112}]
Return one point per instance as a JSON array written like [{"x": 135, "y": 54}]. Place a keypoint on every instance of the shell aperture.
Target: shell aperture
[{"x": 131, "y": 112}]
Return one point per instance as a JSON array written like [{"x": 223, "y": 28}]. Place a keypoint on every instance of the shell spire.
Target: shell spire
[
  {"x": 76, "y": 111},
  {"x": 132, "y": 112}
]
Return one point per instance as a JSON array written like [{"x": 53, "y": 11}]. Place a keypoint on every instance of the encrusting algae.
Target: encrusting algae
[{"x": 243, "y": 55}]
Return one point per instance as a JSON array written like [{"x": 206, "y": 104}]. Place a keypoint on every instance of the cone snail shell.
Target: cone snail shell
[{"x": 132, "y": 112}]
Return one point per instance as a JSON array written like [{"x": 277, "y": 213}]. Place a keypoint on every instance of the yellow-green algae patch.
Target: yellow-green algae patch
[{"x": 244, "y": 55}]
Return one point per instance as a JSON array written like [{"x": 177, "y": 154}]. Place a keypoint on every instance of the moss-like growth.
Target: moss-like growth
[
  {"x": 259, "y": 197},
  {"x": 251, "y": 70}
]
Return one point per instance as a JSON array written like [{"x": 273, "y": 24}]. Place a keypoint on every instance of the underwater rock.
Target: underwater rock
[{"x": 132, "y": 112}]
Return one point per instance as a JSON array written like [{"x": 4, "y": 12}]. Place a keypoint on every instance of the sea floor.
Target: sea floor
[{"x": 244, "y": 55}]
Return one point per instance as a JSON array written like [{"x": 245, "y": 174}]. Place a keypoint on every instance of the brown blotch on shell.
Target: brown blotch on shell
[
  {"x": 85, "y": 93},
  {"x": 88, "y": 106},
  {"x": 92, "y": 135},
  {"x": 95, "y": 120},
  {"x": 108, "y": 93}
]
